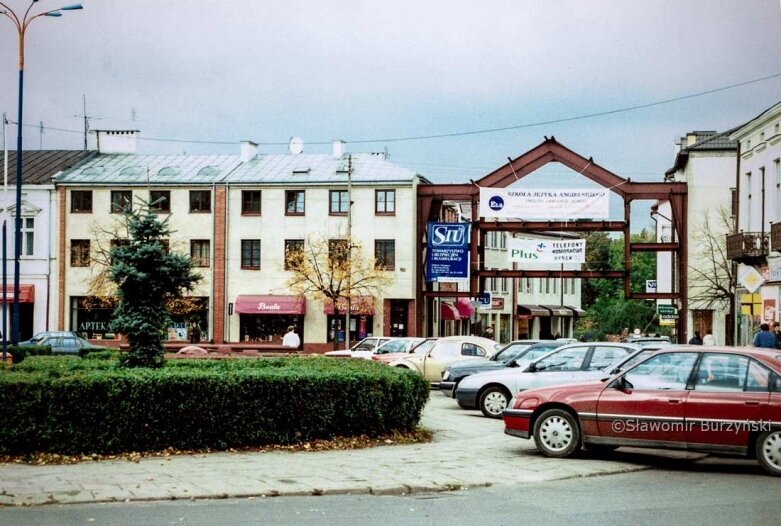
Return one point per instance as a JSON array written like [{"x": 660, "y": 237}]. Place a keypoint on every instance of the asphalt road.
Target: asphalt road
[{"x": 723, "y": 492}]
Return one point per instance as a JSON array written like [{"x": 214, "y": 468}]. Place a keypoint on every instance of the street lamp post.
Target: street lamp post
[{"x": 21, "y": 24}]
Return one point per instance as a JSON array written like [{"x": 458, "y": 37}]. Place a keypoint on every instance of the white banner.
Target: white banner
[
  {"x": 544, "y": 204},
  {"x": 539, "y": 251}
]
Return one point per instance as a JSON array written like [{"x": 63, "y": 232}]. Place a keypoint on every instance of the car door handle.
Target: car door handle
[
  {"x": 751, "y": 403},
  {"x": 673, "y": 401}
]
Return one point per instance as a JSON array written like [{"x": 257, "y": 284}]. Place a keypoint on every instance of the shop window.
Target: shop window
[{"x": 28, "y": 236}]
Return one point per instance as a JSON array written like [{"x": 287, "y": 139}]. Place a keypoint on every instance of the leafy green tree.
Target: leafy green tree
[
  {"x": 607, "y": 310},
  {"x": 147, "y": 276}
]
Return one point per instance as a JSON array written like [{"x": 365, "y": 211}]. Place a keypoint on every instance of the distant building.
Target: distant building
[
  {"x": 234, "y": 215},
  {"x": 37, "y": 268},
  {"x": 756, "y": 239},
  {"x": 705, "y": 161}
]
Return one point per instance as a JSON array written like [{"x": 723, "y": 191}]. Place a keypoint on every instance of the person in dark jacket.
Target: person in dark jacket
[
  {"x": 696, "y": 339},
  {"x": 765, "y": 338},
  {"x": 775, "y": 328}
]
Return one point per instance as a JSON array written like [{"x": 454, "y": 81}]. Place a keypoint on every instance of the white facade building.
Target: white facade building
[{"x": 705, "y": 161}]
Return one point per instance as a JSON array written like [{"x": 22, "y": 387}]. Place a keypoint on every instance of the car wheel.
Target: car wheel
[
  {"x": 557, "y": 433},
  {"x": 493, "y": 401},
  {"x": 769, "y": 452}
]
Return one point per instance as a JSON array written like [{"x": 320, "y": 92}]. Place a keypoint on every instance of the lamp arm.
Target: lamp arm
[{"x": 11, "y": 16}]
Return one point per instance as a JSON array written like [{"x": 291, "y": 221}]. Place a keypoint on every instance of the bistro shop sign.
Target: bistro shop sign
[{"x": 544, "y": 204}]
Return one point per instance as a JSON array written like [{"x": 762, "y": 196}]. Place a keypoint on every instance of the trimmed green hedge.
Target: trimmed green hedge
[
  {"x": 20, "y": 353},
  {"x": 73, "y": 405}
]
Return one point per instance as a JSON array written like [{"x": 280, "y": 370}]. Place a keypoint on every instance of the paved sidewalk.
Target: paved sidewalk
[{"x": 467, "y": 450}]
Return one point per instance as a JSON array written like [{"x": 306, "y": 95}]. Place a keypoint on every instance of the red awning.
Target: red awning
[
  {"x": 360, "y": 305},
  {"x": 448, "y": 311},
  {"x": 465, "y": 308},
  {"x": 26, "y": 293},
  {"x": 270, "y": 305}
]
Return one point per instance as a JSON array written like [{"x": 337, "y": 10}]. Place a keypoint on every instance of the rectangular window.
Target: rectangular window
[
  {"x": 28, "y": 236},
  {"x": 502, "y": 240},
  {"x": 547, "y": 285},
  {"x": 292, "y": 246},
  {"x": 337, "y": 251},
  {"x": 121, "y": 201},
  {"x": 294, "y": 203},
  {"x": 250, "y": 202},
  {"x": 160, "y": 201},
  {"x": 200, "y": 201},
  {"x": 338, "y": 202},
  {"x": 199, "y": 252},
  {"x": 250, "y": 254},
  {"x": 504, "y": 284},
  {"x": 385, "y": 202},
  {"x": 566, "y": 286},
  {"x": 81, "y": 201},
  {"x": 385, "y": 254},
  {"x": 80, "y": 253},
  {"x": 528, "y": 286}
]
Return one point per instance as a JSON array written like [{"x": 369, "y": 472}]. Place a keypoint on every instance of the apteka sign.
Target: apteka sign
[
  {"x": 447, "y": 251},
  {"x": 546, "y": 251},
  {"x": 544, "y": 203}
]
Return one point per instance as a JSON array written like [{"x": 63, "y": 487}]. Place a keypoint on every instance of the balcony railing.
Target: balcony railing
[
  {"x": 747, "y": 247},
  {"x": 775, "y": 237}
]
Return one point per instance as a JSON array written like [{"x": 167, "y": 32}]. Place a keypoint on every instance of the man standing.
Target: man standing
[
  {"x": 765, "y": 338},
  {"x": 776, "y": 329},
  {"x": 291, "y": 339},
  {"x": 489, "y": 332},
  {"x": 696, "y": 339}
]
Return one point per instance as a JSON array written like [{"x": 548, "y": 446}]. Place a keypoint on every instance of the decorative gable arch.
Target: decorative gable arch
[{"x": 432, "y": 197}]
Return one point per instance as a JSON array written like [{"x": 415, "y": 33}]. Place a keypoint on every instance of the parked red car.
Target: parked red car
[{"x": 713, "y": 399}]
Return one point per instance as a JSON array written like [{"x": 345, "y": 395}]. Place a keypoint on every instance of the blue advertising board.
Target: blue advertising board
[{"x": 447, "y": 251}]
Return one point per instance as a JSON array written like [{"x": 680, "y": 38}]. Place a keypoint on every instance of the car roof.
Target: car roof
[{"x": 767, "y": 356}]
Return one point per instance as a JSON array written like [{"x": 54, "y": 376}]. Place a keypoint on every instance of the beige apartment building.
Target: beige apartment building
[{"x": 235, "y": 215}]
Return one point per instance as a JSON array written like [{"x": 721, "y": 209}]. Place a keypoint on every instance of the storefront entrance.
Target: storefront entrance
[{"x": 265, "y": 319}]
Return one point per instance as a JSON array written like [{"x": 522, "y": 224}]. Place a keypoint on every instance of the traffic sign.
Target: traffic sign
[
  {"x": 667, "y": 310},
  {"x": 485, "y": 298},
  {"x": 650, "y": 285}
]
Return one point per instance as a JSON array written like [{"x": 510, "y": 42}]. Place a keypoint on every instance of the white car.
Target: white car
[
  {"x": 365, "y": 346},
  {"x": 431, "y": 364},
  {"x": 577, "y": 362}
]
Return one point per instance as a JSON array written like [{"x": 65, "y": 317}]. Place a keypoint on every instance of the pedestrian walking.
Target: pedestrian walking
[
  {"x": 489, "y": 332},
  {"x": 696, "y": 339},
  {"x": 765, "y": 338},
  {"x": 291, "y": 339}
]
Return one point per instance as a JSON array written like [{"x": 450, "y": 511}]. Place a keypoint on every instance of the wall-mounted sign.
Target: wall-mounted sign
[
  {"x": 544, "y": 203},
  {"x": 545, "y": 251},
  {"x": 447, "y": 252}
]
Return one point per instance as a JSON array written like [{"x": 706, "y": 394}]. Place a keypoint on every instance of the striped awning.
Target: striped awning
[
  {"x": 559, "y": 310},
  {"x": 533, "y": 310},
  {"x": 26, "y": 293}
]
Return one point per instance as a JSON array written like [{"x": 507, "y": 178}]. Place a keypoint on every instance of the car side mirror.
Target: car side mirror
[
  {"x": 511, "y": 363},
  {"x": 531, "y": 368},
  {"x": 615, "y": 370},
  {"x": 622, "y": 384}
]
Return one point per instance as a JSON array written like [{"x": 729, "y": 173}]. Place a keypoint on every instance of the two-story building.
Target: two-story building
[{"x": 236, "y": 215}]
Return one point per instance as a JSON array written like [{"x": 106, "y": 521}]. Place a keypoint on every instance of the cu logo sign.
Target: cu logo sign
[{"x": 496, "y": 203}]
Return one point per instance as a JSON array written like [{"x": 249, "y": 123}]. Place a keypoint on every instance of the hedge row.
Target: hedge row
[
  {"x": 20, "y": 353},
  {"x": 72, "y": 405}
]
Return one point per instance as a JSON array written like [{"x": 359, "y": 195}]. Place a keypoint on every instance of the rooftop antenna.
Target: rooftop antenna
[
  {"x": 86, "y": 118},
  {"x": 40, "y": 135}
]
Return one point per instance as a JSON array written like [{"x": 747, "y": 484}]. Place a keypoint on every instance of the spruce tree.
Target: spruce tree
[{"x": 147, "y": 275}]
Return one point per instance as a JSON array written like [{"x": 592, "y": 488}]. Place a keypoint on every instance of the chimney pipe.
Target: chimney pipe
[
  {"x": 249, "y": 150},
  {"x": 338, "y": 149},
  {"x": 116, "y": 141}
]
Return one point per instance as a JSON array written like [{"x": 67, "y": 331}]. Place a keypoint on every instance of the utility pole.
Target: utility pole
[{"x": 349, "y": 247}]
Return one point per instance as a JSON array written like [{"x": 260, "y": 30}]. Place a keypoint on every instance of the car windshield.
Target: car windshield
[
  {"x": 512, "y": 351},
  {"x": 392, "y": 346},
  {"x": 424, "y": 346},
  {"x": 538, "y": 351},
  {"x": 564, "y": 360}
]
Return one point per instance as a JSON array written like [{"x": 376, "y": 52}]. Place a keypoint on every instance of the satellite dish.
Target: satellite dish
[{"x": 296, "y": 146}]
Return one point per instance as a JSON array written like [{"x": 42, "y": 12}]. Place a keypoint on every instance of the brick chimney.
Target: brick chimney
[{"x": 116, "y": 141}]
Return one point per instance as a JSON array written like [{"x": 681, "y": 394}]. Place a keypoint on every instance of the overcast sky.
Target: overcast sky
[{"x": 229, "y": 70}]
